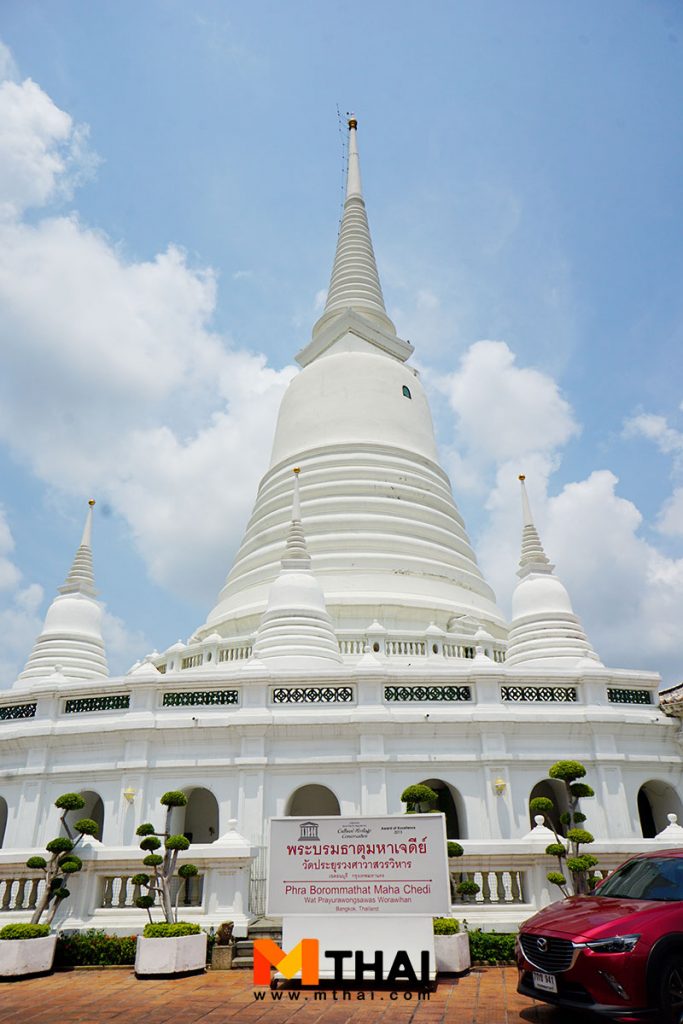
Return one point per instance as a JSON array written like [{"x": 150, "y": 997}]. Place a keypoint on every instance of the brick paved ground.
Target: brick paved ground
[{"x": 486, "y": 996}]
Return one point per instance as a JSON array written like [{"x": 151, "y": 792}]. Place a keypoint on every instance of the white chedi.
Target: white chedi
[
  {"x": 295, "y": 627},
  {"x": 544, "y": 629},
  {"x": 71, "y": 637}
]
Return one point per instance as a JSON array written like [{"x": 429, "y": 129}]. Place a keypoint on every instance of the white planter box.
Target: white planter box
[
  {"x": 171, "y": 956},
  {"x": 26, "y": 956},
  {"x": 452, "y": 953}
]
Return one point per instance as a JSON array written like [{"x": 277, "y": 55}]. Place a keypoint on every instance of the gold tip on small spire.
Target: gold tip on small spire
[
  {"x": 521, "y": 477},
  {"x": 353, "y": 122},
  {"x": 91, "y": 502},
  {"x": 297, "y": 470}
]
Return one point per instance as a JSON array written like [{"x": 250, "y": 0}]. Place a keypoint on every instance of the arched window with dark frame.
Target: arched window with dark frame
[{"x": 406, "y": 391}]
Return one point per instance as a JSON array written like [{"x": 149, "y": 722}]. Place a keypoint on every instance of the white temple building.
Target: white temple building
[{"x": 355, "y": 649}]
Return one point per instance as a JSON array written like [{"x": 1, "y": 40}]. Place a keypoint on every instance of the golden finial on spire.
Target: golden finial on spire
[
  {"x": 91, "y": 502},
  {"x": 353, "y": 122},
  {"x": 521, "y": 477},
  {"x": 296, "y": 470}
]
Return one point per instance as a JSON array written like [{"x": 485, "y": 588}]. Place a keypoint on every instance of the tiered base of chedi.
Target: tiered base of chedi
[{"x": 355, "y": 649}]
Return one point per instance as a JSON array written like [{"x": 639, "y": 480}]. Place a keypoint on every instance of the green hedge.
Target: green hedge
[
  {"x": 170, "y": 931},
  {"x": 95, "y": 949},
  {"x": 492, "y": 947},
  {"x": 24, "y": 931},
  {"x": 446, "y": 926}
]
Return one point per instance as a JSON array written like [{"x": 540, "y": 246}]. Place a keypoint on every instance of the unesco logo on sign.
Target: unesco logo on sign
[{"x": 308, "y": 830}]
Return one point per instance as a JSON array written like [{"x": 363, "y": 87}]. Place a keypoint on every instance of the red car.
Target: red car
[{"x": 617, "y": 952}]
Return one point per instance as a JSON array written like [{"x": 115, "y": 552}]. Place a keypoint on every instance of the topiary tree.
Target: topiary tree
[
  {"x": 419, "y": 798},
  {"x": 62, "y": 861},
  {"x": 163, "y": 866},
  {"x": 579, "y": 865},
  {"x": 454, "y": 850}
]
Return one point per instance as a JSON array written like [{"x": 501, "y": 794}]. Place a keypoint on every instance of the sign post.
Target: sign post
[{"x": 365, "y": 888}]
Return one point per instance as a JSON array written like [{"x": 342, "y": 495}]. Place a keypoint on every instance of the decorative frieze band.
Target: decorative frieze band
[
  {"x": 200, "y": 698},
  {"x": 539, "y": 694},
  {"x": 621, "y": 696},
  {"x": 110, "y": 702},
  {"x": 10, "y": 712},
  {"x": 401, "y": 694},
  {"x": 312, "y": 695}
]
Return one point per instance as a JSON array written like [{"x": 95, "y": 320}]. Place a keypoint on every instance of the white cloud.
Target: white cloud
[
  {"x": 19, "y": 605},
  {"x": 654, "y": 428},
  {"x": 8, "y": 65},
  {"x": 112, "y": 380},
  {"x": 43, "y": 154},
  {"x": 670, "y": 518}
]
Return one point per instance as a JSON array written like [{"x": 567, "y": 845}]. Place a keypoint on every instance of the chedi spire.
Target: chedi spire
[
  {"x": 295, "y": 625},
  {"x": 544, "y": 630},
  {"x": 71, "y": 639},
  {"x": 355, "y": 281}
]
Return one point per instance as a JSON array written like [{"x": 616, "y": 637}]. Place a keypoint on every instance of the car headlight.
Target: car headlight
[{"x": 617, "y": 944}]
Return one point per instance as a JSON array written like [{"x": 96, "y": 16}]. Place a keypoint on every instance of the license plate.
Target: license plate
[{"x": 547, "y": 982}]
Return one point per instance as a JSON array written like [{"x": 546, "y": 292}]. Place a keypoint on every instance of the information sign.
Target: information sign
[{"x": 395, "y": 864}]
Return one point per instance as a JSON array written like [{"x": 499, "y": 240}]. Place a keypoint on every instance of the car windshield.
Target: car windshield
[{"x": 653, "y": 878}]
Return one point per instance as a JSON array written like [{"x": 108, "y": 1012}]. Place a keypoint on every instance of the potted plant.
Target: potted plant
[
  {"x": 221, "y": 958},
  {"x": 27, "y": 949},
  {"x": 451, "y": 946},
  {"x": 170, "y": 946}
]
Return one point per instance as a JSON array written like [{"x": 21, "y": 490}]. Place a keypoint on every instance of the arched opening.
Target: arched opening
[
  {"x": 551, "y": 789},
  {"x": 3, "y": 819},
  {"x": 94, "y": 808},
  {"x": 313, "y": 800},
  {"x": 201, "y": 816},
  {"x": 449, "y": 803},
  {"x": 655, "y": 801}
]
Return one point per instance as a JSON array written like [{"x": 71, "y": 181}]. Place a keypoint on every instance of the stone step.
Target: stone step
[{"x": 242, "y": 963}]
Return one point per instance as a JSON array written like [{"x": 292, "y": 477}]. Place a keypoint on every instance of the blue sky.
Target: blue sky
[{"x": 171, "y": 195}]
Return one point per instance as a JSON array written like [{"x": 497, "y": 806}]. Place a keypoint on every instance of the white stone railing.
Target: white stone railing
[
  {"x": 103, "y": 894},
  {"x": 511, "y": 876}
]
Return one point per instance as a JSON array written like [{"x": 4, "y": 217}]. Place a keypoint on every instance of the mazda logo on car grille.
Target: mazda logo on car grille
[{"x": 542, "y": 944}]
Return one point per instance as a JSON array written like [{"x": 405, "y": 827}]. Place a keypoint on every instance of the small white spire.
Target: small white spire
[
  {"x": 544, "y": 629},
  {"x": 295, "y": 625},
  {"x": 296, "y": 552},
  {"x": 71, "y": 641},
  {"x": 533, "y": 558},
  {"x": 353, "y": 182},
  {"x": 355, "y": 281},
  {"x": 81, "y": 577}
]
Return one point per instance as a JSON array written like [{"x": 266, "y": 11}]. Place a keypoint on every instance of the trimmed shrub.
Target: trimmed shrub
[
  {"x": 174, "y": 798},
  {"x": 95, "y": 948},
  {"x": 467, "y": 888},
  {"x": 62, "y": 858},
  {"x": 541, "y": 805},
  {"x": 567, "y": 771},
  {"x": 70, "y": 802},
  {"x": 492, "y": 947},
  {"x": 556, "y": 850},
  {"x": 446, "y": 926},
  {"x": 25, "y": 931},
  {"x": 87, "y": 826},
  {"x": 177, "y": 843},
  {"x": 164, "y": 867},
  {"x": 166, "y": 930},
  {"x": 454, "y": 850},
  {"x": 415, "y": 797}
]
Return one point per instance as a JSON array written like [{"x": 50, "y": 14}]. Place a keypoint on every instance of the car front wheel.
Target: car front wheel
[{"x": 671, "y": 989}]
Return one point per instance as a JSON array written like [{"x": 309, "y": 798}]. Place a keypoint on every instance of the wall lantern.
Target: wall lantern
[
  {"x": 499, "y": 786},
  {"x": 129, "y": 794}
]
